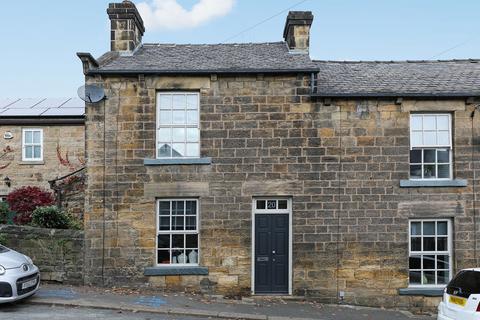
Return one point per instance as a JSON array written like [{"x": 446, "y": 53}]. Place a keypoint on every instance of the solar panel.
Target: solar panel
[
  {"x": 4, "y": 102},
  {"x": 25, "y": 103},
  {"x": 40, "y": 107},
  {"x": 74, "y": 103},
  {"x": 64, "y": 112},
  {"x": 23, "y": 112},
  {"x": 51, "y": 103}
]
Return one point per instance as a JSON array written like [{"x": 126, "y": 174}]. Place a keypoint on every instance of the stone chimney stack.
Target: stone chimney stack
[
  {"x": 127, "y": 26},
  {"x": 297, "y": 30}
]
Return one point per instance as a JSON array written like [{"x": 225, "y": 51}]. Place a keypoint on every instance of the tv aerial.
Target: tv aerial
[{"x": 90, "y": 93}]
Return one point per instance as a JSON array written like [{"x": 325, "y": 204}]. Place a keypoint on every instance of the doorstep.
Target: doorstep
[{"x": 277, "y": 297}]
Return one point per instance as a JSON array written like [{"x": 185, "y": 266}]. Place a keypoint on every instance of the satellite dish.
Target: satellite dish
[{"x": 91, "y": 93}]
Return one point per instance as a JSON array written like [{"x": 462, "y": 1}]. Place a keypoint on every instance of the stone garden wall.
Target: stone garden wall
[{"x": 57, "y": 253}]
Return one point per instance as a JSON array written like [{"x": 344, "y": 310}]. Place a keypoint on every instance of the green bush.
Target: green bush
[
  {"x": 5, "y": 213},
  {"x": 50, "y": 217},
  {"x": 3, "y": 239},
  {"x": 74, "y": 222}
]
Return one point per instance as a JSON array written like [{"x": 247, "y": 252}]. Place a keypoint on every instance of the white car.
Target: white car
[
  {"x": 19, "y": 277},
  {"x": 461, "y": 299}
]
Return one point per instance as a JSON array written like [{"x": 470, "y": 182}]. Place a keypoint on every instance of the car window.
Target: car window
[
  {"x": 465, "y": 283},
  {"x": 3, "y": 249}
]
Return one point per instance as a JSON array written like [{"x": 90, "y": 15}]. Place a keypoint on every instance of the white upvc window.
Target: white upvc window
[
  {"x": 177, "y": 232},
  {"x": 178, "y": 125},
  {"x": 32, "y": 144},
  {"x": 430, "y": 252},
  {"x": 431, "y": 146}
]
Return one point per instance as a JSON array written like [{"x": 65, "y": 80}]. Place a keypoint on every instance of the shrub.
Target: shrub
[
  {"x": 50, "y": 217},
  {"x": 4, "y": 213},
  {"x": 25, "y": 200},
  {"x": 22, "y": 218},
  {"x": 74, "y": 222}
]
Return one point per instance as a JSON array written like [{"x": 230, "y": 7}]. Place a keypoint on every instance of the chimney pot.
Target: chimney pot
[
  {"x": 127, "y": 26},
  {"x": 297, "y": 30}
]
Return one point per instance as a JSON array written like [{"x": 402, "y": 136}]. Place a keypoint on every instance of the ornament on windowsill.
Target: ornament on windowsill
[
  {"x": 193, "y": 257},
  {"x": 182, "y": 258}
]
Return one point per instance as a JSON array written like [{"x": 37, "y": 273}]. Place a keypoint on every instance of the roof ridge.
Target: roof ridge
[
  {"x": 213, "y": 44},
  {"x": 396, "y": 61}
]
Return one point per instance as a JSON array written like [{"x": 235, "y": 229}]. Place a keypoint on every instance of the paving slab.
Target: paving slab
[{"x": 183, "y": 304}]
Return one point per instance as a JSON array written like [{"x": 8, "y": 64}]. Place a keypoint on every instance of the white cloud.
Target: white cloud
[{"x": 169, "y": 14}]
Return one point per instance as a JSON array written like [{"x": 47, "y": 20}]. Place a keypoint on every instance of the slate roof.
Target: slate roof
[
  {"x": 207, "y": 58},
  {"x": 439, "y": 78},
  {"x": 448, "y": 78},
  {"x": 41, "y": 107}
]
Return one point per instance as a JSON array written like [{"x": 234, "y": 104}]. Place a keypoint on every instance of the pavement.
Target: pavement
[
  {"x": 191, "y": 305},
  {"x": 26, "y": 311}
]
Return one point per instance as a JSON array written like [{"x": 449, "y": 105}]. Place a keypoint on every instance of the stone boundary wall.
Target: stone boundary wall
[{"x": 57, "y": 253}]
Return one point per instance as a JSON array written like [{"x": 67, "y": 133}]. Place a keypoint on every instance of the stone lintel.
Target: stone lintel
[
  {"x": 272, "y": 188},
  {"x": 178, "y": 83},
  {"x": 433, "y": 105},
  {"x": 177, "y": 189},
  {"x": 431, "y": 209}
]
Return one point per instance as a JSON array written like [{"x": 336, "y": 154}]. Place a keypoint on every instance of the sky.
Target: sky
[{"x": 39, "y": 39}]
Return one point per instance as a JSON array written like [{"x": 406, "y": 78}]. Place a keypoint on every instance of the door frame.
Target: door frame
[{"x": 288, "y": 211}]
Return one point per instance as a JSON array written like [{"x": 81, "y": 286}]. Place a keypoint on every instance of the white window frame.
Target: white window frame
[
  {"x": 24, "y": 144},
  {"x": 431, "y": 147},
  {"x": 172, "y": 126},
  {"x": 449, "y": 251},
  {"x": 172, "y": 232},
  {"x": 436, "y": 164}
]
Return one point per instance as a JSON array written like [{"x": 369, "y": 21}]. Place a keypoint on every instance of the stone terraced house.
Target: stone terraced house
[
  {"x": 252, "y": 169},
  {"x": 42, "y": 139}
]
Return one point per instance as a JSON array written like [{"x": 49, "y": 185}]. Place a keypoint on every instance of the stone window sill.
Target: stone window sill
[
  {"x": 426, "y": 292},
  {"x": 31, "y": 163},
  {"x": 175, "y": 271},
  {"x": 166, "y": 162},
  {"x": 433, "y": 183}
]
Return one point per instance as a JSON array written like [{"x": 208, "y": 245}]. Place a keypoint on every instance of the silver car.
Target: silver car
[{"x": 19, "y": 277}]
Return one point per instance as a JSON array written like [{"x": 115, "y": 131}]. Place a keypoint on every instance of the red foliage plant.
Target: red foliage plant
[
  {"x": 26, "y": 199},
  {"x": 23, "y": 218}
]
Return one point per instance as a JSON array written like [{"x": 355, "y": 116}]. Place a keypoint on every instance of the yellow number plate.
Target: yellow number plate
[{"x": 458, "y": 301}]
